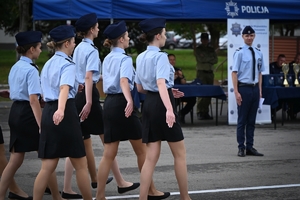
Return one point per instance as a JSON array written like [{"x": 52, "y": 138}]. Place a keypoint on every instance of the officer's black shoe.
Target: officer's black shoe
[
  {"x": 206, "y": 117},
  {"x": 241, "y": 153},
  {"x": 253, "y": 152}
]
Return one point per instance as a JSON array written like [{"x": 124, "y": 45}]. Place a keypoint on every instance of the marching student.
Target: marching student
[
  {"x": 155, "y": 77},
  {"x": 60, "y": 127},
  {"x": 25, "y": 113}
]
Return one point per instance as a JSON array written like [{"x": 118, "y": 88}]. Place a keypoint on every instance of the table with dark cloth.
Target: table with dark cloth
[
  {"x": 213, "y": 91},
  {"x": 273, "y": 96}
]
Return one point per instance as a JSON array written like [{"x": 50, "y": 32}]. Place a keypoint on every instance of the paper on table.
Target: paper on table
[{"x": 261, "y": 100}]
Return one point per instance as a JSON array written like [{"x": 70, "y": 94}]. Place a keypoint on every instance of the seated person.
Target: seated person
[
  {"x": 179, "y": 79},
  {"x": 296, "y": 60},
  {"x": 276, "y": 67}
]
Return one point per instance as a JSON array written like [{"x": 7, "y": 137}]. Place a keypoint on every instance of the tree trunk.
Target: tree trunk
[{"x": 24, "y": 18}]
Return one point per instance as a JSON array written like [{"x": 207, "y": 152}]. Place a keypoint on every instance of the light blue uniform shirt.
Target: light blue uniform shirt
[
  {"x": 242, "y": 64},
  {"x": 23, "y": 80},
  {"x": 58, "y": 70},
  {"x": 152, "y": 65},
  {"x": 86, "y": 57},
  {"x": 117, "y": 65}
]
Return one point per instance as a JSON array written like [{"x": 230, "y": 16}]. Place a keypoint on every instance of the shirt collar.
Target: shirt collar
[
  {"x": 26, "y": 59},
  {"x": 153, "y": 48},
  {"x": 87, "y": 40},
  {"x": 118, "y": 49},
  {"x": 62, "y": 54}
]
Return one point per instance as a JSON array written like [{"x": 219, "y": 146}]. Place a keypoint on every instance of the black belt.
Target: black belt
[{"x": 247, "y": 84}]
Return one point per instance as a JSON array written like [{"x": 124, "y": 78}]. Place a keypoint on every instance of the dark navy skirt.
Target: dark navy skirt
[
  {"x": 117, "y": 127},
  {"x": 24, "y": 130},
  {"x": 154, "y": 123},
  {"x": 94, "y": 123},
  {"x": 65, "y": 139}
]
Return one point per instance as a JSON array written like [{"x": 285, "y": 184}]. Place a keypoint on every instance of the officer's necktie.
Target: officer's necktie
[{"x": 253, "y": 63}]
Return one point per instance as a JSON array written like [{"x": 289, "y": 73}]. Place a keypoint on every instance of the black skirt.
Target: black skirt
[
  {"x": 94, "y": 123},
  {"x": 24, "y": 130},
  {"x": 154, "y": 123},
  {"x": 1, "y": 136},
  {"x": 65, "y": 139},
  {"x": 117, "y": 127}
]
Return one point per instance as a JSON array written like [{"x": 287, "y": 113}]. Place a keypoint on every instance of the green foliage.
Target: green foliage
[{"x": 185, "y": 60}]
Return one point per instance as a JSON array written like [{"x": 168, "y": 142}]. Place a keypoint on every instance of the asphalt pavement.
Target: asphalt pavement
[{"x": 214, "y": 169}]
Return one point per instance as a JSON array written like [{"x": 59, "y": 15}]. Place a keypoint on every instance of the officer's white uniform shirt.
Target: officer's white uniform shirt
[
  {"x": 242, "y": 64},
  {"x": 23, "y": 80},
  {"x": 152, "y": 65},
  {"x": 58, "y": 70},
  {"x": 117, "y": 65},
  {"x": 86, "y": 58}
]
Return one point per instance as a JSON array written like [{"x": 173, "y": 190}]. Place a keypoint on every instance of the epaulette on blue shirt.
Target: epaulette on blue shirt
[
  {"x": 239, "y": 49},
  {"x": 126, "y": 54},
  {"x": 70, "y": 60},
  {"x": 164, "y": 52},
  {"x": 94, "y": 46},
  {"x": 257, "y": 49}
]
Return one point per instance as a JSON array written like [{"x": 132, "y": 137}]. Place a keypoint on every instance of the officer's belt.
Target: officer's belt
[{"x": 240, "y": 84}]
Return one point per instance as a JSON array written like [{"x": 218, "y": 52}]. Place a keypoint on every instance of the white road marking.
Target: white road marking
[{"x": 215, "y": 190}]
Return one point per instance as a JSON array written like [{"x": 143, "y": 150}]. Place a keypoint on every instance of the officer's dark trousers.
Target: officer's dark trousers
[{"x": 247, "y": 115}]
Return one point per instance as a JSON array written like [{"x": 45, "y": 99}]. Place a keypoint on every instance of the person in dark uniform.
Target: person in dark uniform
[
  {"x": 206, "y": 57},
  {"x": 248, "y": 63},
  {"x": 155, "y": 77},
  {"x": 120, "y": 119},
  {"x": 60, "y": 127},
  {"x": 86, "y": 57},
  {"x": 276, "y": 67},
  {"x": 179, "y": 79},
  {"x": 25, "y": 113}
]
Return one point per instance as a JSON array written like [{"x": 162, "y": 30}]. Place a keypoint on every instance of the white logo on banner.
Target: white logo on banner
[{"x": 232, "y": 9}]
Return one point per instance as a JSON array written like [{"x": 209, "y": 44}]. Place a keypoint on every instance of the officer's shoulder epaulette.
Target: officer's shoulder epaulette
[
  {"x": 238, "y": 48},
  {"x": 163, "y": 52},
  {"x": 126, "y": 54},
  {"x": 68, "y": 59},
  {"x": 257, "y": 49},
  {"x": 35, "y": 66},
  {"x": 94, "y": 46}
]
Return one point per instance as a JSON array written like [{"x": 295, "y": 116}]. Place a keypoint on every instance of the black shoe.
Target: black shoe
[
  {"x": 94, "y": 184},
  {"x": 122, "y": 190},
  {"x": 70, "y": 196},
  {"x": 206, "y": 117},
  {"x": 47, "y": 191},
  {"x": 253, "y": 152},
  {"x": 165, "y": 195},
  {"x": 17, "y": 197},
  {"x": 241, "y": 153}
]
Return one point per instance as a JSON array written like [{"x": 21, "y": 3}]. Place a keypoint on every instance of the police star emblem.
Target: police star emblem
[
  {"x": 236, "y": 29},
  {"x": 232, "y": 8}
]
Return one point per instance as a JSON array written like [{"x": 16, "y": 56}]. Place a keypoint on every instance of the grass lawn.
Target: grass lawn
[{"x": 184, "y": 59}]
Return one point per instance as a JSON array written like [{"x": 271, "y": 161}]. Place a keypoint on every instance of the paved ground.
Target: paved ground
[{"x": 215, "y": 171}]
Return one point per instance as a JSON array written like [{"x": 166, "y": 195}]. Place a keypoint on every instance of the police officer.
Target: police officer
[
  {"x": 276, "y": 67},
  {"x": 86, "y": 57},
  {"x": 206, "y": 57},
  {"x": 248, "y": 63},
  {"x": 155, "y": 77},
  {"x": 61, "y": 135}
]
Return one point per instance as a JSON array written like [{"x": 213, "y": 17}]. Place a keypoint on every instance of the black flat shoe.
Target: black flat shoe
[
  {"x": 122, "y": 190},
  {"x": 165, "y": 195},
  {"x": 70, "y": 196},
  {"x": 109, "y": 179},
  {"x": 15, "y": 196},
  {"x": 47, "y": 191}
]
